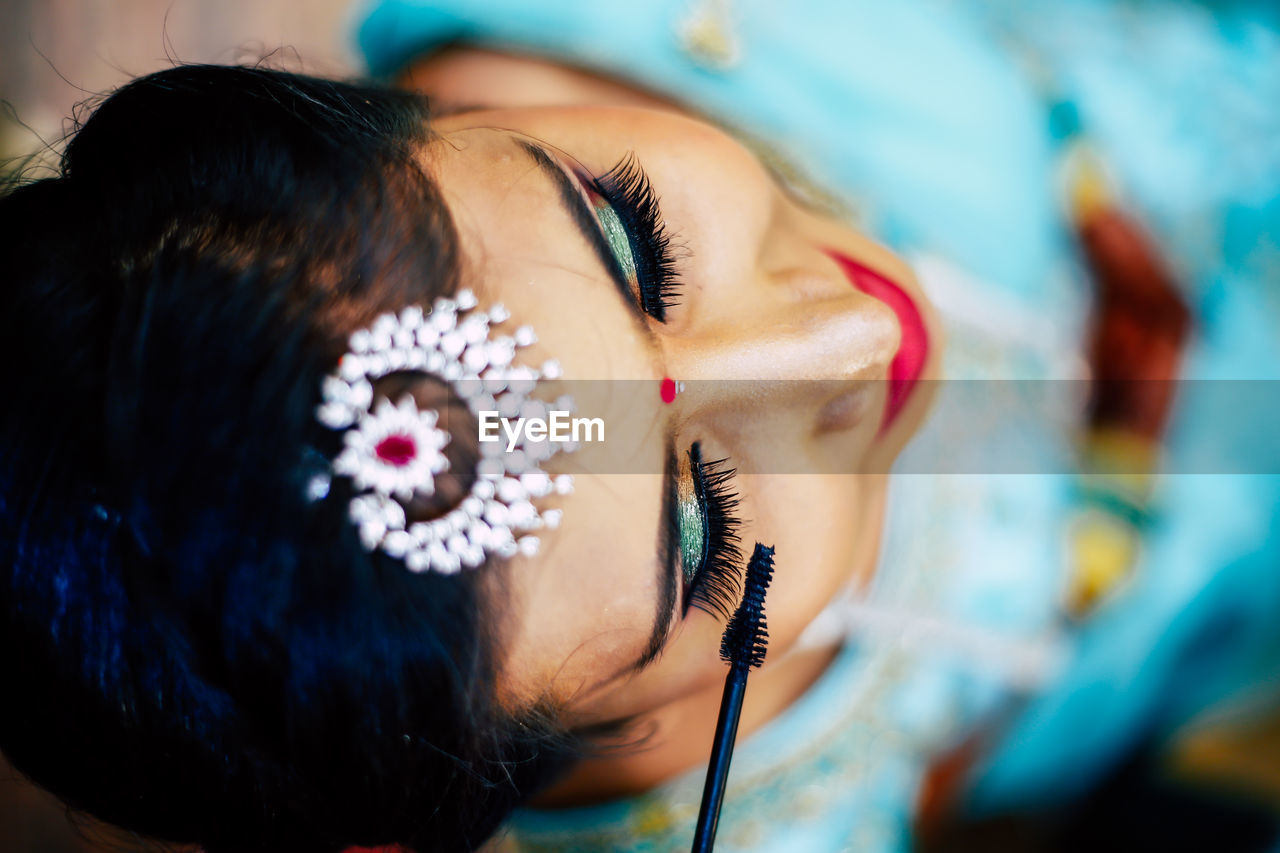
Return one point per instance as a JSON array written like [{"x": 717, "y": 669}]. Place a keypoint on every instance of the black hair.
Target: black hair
[{"x": 191, "y": 647}]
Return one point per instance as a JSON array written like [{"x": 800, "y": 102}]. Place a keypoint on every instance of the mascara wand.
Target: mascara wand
[{"x": 743, "y": 648}]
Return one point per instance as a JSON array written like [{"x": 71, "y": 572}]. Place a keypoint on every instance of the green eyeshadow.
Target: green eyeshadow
[
  {"x": 615, "y": 234},
  {"x": 691, "y": 520}
]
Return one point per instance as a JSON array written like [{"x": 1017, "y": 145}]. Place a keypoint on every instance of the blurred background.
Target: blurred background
[{"x": 56, "y": 53}]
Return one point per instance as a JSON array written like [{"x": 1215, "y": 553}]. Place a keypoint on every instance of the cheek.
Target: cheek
[
  {"x": 719, "y": 204},
  {"x": 825, "y": 532},
  {"x": 823, "y": 529}
]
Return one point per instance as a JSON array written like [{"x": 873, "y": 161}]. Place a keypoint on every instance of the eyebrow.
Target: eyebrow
[{"x": 576, "y": 206}]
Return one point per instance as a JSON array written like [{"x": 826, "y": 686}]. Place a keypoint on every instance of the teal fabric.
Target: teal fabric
[
  {"x": 955, "y": 159},
  {"x": 943, "y": 122}
]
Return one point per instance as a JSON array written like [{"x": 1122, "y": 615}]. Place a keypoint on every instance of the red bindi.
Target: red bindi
[
  {"x": 398, "y": 450},
  {"x": 668, "y": 389}
]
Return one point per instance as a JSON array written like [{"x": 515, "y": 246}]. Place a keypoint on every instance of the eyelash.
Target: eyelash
[
  {"x": 627, "y": 189},
  {"x": 715, "y": 587}
]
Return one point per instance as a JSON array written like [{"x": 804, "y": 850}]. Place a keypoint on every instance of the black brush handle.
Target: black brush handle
[
  {"x": 735, "y": 687},
  {"x": 742, "y": 647}
]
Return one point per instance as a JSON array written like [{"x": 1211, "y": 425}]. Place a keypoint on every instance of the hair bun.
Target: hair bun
[{"x": 192, "y": 648}]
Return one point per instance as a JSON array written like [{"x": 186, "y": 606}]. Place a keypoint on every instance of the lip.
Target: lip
[{"x": 913, "y": 351}]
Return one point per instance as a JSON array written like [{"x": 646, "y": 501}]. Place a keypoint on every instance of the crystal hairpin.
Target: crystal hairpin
[{"x": 393, "y": 451}]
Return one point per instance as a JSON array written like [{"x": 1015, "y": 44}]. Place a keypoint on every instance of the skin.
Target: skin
[{"x": 760, "y": 300}]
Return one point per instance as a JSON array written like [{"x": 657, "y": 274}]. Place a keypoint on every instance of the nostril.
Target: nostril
[{"x": 850, "y": 407}]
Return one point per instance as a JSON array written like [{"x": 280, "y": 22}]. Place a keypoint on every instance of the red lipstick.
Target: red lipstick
[{"x": 908, "y": 363}]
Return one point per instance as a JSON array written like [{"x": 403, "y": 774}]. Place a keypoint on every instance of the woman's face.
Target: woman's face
[{"x": 608, "y": 619}]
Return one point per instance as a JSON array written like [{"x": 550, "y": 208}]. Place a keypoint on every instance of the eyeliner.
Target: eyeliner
[{"x": 743, "y": 648}]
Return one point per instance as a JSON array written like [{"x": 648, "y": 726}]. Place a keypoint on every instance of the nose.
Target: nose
[
  {"x": 791, "y": 356},
  {"x": 796, "y": 322}
]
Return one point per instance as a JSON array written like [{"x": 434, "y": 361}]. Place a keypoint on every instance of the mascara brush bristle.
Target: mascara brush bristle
[{"x": 746, "y": 637}]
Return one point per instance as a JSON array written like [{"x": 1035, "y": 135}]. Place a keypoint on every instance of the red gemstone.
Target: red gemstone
[{"x": 396, "y": 450}]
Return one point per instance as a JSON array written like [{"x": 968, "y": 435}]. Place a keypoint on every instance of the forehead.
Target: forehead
[{"x": 585, "y": 605}]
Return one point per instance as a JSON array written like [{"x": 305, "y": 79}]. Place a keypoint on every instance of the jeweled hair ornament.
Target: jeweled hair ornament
[{"x": 392, "y": 452}]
